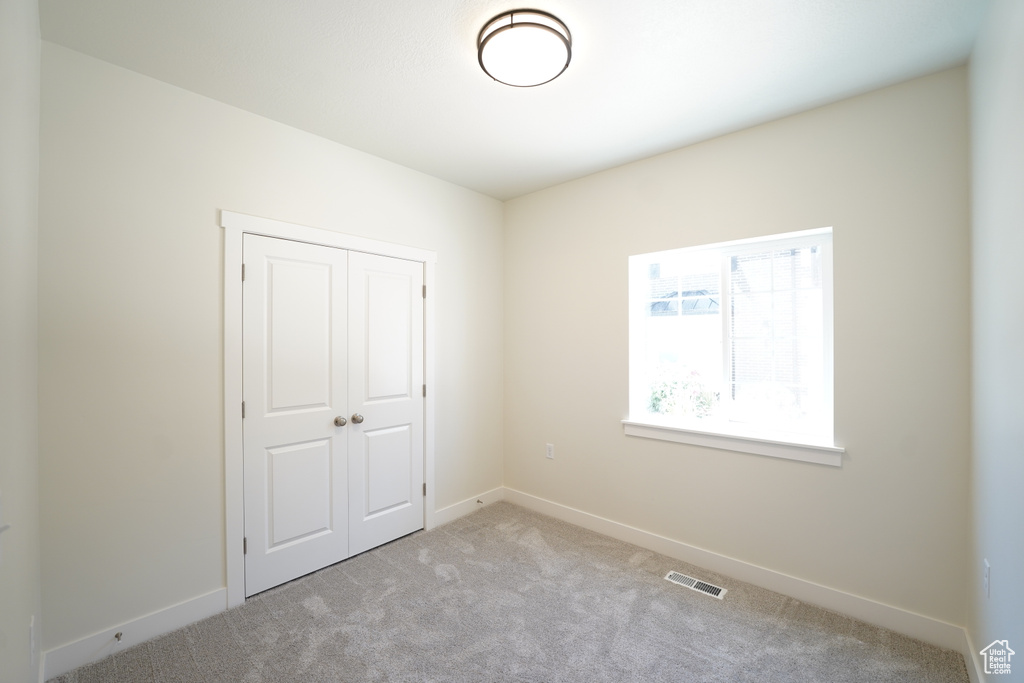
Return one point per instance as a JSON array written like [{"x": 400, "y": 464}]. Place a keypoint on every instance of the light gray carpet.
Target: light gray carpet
[{"x": 506, "y": 594}]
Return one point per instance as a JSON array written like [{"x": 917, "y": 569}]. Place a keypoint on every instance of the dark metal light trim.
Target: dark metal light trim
[{"x": 486, "y": 34}]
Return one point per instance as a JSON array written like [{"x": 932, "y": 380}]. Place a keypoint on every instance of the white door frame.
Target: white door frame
[{"x": 235, "y": 225}]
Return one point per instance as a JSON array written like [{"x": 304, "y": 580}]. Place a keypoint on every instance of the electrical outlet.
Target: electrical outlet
[
  {"x": 988, "y": 579},
  {"x": 551, "y": 451},
  {"x": 3, "y": 528}
]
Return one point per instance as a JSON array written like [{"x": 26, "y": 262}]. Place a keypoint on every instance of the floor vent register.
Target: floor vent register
[{"x": 697, "y": 585}]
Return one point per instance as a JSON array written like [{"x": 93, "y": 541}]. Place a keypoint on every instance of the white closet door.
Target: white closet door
[
  {"x": 295, "y": 384},
  {"x": 385, "y": 399}
]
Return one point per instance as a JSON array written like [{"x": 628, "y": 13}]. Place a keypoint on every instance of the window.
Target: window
[{"x": 731, "y": 345}]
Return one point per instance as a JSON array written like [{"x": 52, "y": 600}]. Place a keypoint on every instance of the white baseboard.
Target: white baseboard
[
  {"x": 92, "y": 648},
  {"x": 62, "y": 659},
  {"x": 973, "y": 658},
  {"x": 463, "y": 508},
  {"x": 908, "y": 623}
]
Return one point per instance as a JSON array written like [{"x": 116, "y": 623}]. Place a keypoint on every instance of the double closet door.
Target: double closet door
[{"x": 332, "y": 375}]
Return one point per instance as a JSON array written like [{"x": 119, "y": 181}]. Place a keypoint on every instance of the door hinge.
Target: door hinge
[
  {"x": 245, "y": 545},
  {"x": 424, "y": 291},
  {"x": 424, "y": 391},
  {"x": 243, "y": 410},
  {"x": 243, "y": 272},
  {"x": 424, "y": 488}
]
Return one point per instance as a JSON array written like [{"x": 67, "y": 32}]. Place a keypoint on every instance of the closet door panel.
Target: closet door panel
[
  {"x": 295, "y": 382},
  {"x": 386, "y": 394}
]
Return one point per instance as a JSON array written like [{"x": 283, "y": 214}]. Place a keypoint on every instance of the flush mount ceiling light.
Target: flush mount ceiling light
[{"x": 524, "y": 48}]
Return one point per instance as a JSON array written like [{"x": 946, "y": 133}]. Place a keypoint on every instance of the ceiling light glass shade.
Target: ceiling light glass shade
[{"x": 524, "y": 48}]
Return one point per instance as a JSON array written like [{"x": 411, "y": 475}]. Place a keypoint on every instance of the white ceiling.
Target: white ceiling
[{"x": 399, "y": 78}]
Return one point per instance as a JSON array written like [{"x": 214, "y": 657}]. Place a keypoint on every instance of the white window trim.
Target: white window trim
[
  {"x": 821, "y": 454},
  {"x": 775, "y": 446}
]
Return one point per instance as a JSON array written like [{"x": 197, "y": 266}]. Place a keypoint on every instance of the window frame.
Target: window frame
[{"x": 804, "y": 447}]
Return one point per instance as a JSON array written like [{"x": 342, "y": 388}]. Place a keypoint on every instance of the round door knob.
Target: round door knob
[
  {"x": 357, "y": 419},
  {"x": 340, "y": 421}
]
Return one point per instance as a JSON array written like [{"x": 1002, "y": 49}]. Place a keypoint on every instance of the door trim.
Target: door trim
[{"x": 234, "y": 226}]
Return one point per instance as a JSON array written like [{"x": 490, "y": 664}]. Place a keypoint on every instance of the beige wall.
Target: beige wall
[
  {"x": 19, "y": 185},
  {"x": 997, "y": 128},
  {"x": 133, "y": 173},
  {"x": 131, "y": 474},
  {"x": 889, "y": 171}
]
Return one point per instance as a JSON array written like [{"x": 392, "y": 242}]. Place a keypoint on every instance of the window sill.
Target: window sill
[{"x": 790, "y": 450}]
